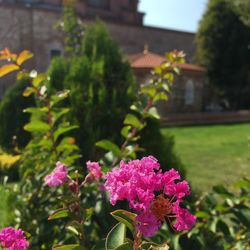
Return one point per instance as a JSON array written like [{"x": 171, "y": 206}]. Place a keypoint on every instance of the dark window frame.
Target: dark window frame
[{"x": 99, "y": 4}]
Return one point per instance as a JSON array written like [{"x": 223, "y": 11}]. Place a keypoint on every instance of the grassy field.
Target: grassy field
[{"x": 213, "y": 154}]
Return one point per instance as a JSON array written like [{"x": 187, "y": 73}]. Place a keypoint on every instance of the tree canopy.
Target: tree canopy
[{"x": 223, "y": 48}]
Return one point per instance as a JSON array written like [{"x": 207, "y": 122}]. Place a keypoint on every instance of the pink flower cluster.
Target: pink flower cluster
[
  {"x": 94, "y": 170},
  {"x": 58, "y": 176},
  {"x": 138, "y": 182},
  {"x": 13, "y": 239}
]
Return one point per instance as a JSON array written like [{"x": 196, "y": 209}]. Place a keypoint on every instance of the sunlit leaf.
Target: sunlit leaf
[
  {"x": 8, "y": 68},
  {"x": 62, "y": 130},
  {"x": 134, "y": 121},
  {"x": 23, "y": 56},
  {"x": 154, "y": 113},
  {"x": 28, "y": 91},
  {"x": 39, "y": 79},
  {"x": 125, "y": 217},
  {"x": 58, "y": 214},
  {"x": 125, "y": 131},
  {"x": 37, "y": 126}
]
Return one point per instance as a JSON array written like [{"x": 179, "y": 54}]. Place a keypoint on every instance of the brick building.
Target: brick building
[{"x": 29, "y": 24}]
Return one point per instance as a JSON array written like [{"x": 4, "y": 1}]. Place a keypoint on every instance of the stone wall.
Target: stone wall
[{"x": 29, "y": 27}]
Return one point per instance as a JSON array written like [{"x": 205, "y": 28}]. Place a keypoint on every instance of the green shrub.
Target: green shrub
[
  {"x": 102, "y": 89},
  {"x": 12, "y": 117}
]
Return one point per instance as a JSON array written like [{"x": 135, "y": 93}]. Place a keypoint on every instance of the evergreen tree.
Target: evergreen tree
[
  {"x": 223, "y": 48},
  {"x": 13, "y": 118},
  {"x": 102, "y": 88}
]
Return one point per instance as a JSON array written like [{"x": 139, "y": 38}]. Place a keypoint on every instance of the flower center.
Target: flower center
[{"x": 161, "y": 207}]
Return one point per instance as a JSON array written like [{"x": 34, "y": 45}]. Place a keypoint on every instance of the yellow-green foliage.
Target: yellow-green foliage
[{"x": 6, "y": 160}]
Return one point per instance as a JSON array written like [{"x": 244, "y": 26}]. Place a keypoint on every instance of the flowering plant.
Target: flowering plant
[
  {"x": 154, "y": 196},
  {"x": 13, "y": 239}
]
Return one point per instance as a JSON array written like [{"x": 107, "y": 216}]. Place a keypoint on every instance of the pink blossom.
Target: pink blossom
[
  {"x": 180, "y": 189},
  {"x": 147, "y": 224},
  {"x": 153, "y": 195},
  {"x": 13, "y": 239},
  {"x": 184, "y": 220},
  {"x": 135, "y": 182},
  {"x": 58, "y": 176},
  {"x": 94, "y": 169}
]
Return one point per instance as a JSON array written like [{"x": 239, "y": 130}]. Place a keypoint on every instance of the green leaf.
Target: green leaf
[
  {"x": 37, "y": 126},
  {"x": 134, "y": 121},
  {"x": 160, "y": 97},
  {"x": 244, "y": 183},
  {"x": 125, "y": 246},
  {"x": 39, "y": 79},
  {"x": 149, "y": 90},
  {"x": 58, "y": 114},
  {"x": 202, "y": 214},
  {"x": 154, "y": 113},
  {"x": 75, "y": 227},
  {"x": 59, "y": 97},
  {"x": 125, "y": 217},
  {"x": 62, "y": 130},
  {"x": 42, "y": 110},
  {"x": 116, "y": 237},
  {"x": 243, "y": 214},
  {"x": 125, "y": 131},
  {"x": 109, "y": 146},
  {"x": 28, "y": 91},
  {"x": 59, "y": 213},
  {"x": 69, "y": 247}
]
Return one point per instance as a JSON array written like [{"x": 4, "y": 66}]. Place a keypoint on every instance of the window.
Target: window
[
  {"x": 102, "y": 4},
  {"x": 189, "y": 92},
  {"x": 55, "y": 53}
]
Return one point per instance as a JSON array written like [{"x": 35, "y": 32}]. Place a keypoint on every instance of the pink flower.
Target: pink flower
[
  {"x": 94, "y": 169},
  {"x": 13, "y": 239},
  {"x": 184, "y": 220},
  {"x": 58, "y": 176},
  {"x": 153, "y": 195},
  {"x": 147, "y": 224}
]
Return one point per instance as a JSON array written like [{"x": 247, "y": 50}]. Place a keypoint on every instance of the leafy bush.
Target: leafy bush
[{"x": 12, "y": 117}]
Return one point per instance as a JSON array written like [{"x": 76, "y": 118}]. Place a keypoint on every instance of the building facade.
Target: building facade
[{"x": 30, "y": 24}]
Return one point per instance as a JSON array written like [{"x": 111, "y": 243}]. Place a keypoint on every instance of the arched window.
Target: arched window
[
  {"x": 102, "y": 4},
  {"x": 189, "y": 92}
]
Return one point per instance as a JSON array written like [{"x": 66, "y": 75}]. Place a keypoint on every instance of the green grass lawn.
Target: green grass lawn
[{"x": 213, "y": 154}]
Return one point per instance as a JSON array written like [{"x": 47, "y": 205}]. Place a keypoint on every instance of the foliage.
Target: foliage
[
  {"x": 12, "y": 117},
  {"x": 101, "y": 87},
  {"x": 243, "y": 8},
  {"x": 223, "y": 220},
  {"x": 72, "y": 28},
  {"x": 50, "y": 143},
  {"x": 9, "y": 166},
  {"x": 227, "y": 62}
]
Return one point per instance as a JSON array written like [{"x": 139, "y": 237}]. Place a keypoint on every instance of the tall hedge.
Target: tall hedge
[{"x": 13, "y": 118}]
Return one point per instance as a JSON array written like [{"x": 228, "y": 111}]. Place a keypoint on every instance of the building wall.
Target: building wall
[
  {"x": 181, "y": 100},
  {"x": 32, "y": 27}
]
